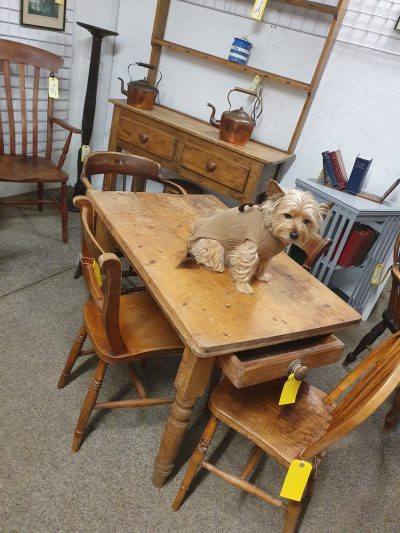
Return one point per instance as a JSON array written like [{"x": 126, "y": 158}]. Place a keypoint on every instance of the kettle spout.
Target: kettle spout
[
  {"x": 123, "y": 91},
  {"x": 213, "y": 122}
]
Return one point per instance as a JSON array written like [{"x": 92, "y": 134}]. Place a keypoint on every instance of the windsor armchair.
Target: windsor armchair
[
  {"x": 304, "y": 431},
  {"x": 25, "y": 62},
  {"x": 122, "y": 329},
  {"x": 108, "y": 166}
]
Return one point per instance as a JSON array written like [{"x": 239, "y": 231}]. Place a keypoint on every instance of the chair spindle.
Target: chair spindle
[
  {"x": 10, "y": 108},
  {"x": 35, "y": 101}
]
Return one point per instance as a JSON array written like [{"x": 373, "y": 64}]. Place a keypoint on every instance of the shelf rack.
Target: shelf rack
[
  {"x": 337, "y": 12},
  {"x": 348, "y": 210}
]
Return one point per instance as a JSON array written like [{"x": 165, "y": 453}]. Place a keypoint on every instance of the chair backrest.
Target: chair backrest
[
  {"x": 309, "y": 254},
  {"x": 393, "y": 309},
  {"x": 377, "y": 376},
  {"x": 107, "y": 296},
  {"x": 24, "y": 56},
  {"x": 112, "y": 164}
]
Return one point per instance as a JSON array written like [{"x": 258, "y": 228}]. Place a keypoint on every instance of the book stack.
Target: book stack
[
  {"x": 335, "y": 174},
  {"x": 359, "y": 242}
]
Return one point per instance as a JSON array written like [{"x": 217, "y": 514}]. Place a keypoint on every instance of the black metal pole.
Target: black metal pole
[{"x": 89, "y": 107}]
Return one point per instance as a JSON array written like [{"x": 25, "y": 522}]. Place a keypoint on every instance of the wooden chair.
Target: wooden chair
[
  {"x": 391, "y": 315},
  {"x": 24, "y": 168},
  {"x": 300, "y": 431},
  {"x": 122, "y": 329},
  {"x": 112, "y": 164},
  {"x": 309, "y": 254}
]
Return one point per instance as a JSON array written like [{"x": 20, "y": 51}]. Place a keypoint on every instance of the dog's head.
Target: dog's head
[{"x": 292, "y": 216}]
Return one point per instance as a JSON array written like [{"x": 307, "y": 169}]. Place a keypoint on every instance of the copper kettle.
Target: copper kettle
[
  {"x": 236, "y": 126},
  {"x": 140, "y": 93}
]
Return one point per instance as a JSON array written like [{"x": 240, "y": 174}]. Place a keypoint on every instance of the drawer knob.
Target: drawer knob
[
  {"x": 300, "y": 372},
  {"x": 144, "y": 137},
  {"x": 211, "y": 165}
]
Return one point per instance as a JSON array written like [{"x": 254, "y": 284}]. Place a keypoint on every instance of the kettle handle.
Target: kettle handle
[
  {"x": 145, "y": 65},
  {"x": 258, "y": 102}
]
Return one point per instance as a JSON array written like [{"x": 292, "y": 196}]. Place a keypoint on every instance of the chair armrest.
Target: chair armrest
[{"x": 63, "y": 124}]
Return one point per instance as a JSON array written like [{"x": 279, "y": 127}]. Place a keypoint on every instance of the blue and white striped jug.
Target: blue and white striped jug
[{"x": 240, "y": 50}]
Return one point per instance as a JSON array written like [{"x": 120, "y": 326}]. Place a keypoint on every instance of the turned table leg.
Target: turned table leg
[{"x": 190, "y": 383}]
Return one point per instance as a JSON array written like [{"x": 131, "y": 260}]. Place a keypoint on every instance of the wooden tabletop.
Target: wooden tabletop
[
  {"x": 210, "y": 316},
  {"x": 256, "y": 150}
]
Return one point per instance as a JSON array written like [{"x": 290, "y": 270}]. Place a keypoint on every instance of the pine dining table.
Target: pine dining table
[{"x": 210, "y": 316}]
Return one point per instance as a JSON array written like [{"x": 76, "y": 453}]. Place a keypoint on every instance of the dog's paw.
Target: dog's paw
[
  {"x": 264, "y": 277},
  {"x": 244, "y": 288}
]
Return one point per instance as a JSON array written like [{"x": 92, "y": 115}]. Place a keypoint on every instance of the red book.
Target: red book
[
  {"x": 357, "y": 246},
  {"x": 340, "y": 178}
]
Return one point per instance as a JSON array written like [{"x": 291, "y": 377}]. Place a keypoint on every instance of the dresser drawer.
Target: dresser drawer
[
  {"x": 218, "y": 165},
  {"x": 147, "y": 137},
  {"x": 265, "y": 364}
]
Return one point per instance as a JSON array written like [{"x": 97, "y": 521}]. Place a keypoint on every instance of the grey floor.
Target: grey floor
[{"x": 106, "y": 486}]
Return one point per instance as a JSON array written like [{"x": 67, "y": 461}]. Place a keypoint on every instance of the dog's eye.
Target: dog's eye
[
  {"x": 287, "y": 215},
  {"x": 306, "y": 221}
]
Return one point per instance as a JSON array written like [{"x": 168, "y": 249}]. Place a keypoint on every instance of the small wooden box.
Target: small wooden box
[{"x": 265, "y": 364}]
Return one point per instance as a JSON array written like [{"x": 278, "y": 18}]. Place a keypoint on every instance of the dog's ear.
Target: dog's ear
[
  {"x": 274, "y": 188},
  {"x": 325, "y": 209}
]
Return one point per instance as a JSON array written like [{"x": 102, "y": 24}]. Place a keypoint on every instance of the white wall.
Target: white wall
[
  {"x": 102, "y": 13},
  {"x": 355, "y": 108}
]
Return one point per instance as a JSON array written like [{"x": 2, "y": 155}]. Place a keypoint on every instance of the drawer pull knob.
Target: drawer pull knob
[
  {"x": 300, "y": 372},
  {"x": 144, "y": 137},
  {"x": 211, "y": 166}
]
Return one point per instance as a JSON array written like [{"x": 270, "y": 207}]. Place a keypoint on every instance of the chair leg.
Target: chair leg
[
  {"x": 76, "y": 349},
  {"x": 40, "y": 195},
  {"x": 64, "y": 211},
  {"x": 292, "y": 515},
  {"x": 254, "y": 459},
  {"x": 195, "y": 462},
  {"x": 394, "y": 414},
  {"x": 136, "y": 381},
  {"x": 88, "y": 405},
  {"x": 367, "y": 340}
]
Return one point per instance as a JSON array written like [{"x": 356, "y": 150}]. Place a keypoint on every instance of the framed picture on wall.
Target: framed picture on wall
[
  {"x": 44, "y": 14},
  {"x": 397, "y": 27}
]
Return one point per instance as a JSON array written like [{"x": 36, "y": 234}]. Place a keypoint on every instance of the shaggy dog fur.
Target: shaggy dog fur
[{"x": 284, "y": 218}]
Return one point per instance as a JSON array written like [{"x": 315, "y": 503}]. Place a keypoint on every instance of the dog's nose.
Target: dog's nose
[{"x": 293, "y": 235}]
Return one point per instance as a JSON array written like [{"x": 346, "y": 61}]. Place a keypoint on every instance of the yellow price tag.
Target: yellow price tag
[
  {"x": 97, "y": 272},
  {"x": 85, "y": 151},
  {"x": 289, "y": 391},
  {"x": 53, "y": 87},
  {"x": 296, "y": 480},
  {"x": 258, "y": 9},
  {"x": 60, "y": 2},
  {"x": 376, "y": 274}
]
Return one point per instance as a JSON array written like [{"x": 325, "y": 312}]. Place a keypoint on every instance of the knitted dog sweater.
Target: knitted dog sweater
[{"x": 233, "y": 227}]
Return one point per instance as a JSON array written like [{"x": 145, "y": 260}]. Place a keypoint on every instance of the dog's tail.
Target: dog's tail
[{"x": 188, "y": 262}]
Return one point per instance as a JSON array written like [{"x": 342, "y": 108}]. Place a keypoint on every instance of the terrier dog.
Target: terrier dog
[{"x": 245, "y": 238}]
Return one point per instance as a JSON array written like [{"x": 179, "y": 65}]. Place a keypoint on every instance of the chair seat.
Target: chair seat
[
  {"x": 144, "y": 328},
  {"x": 23, "y": 169},
  {"x": 281, "y": 431}
]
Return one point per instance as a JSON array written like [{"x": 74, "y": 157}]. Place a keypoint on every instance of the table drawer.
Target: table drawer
[
  {"x": 217, "y": 164},
  {"x": 147, "y": 137},
  {"x": 265, "y": 364}
]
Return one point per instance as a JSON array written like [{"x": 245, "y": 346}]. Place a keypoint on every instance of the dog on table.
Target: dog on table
[{"x": 246, "y": 238}]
